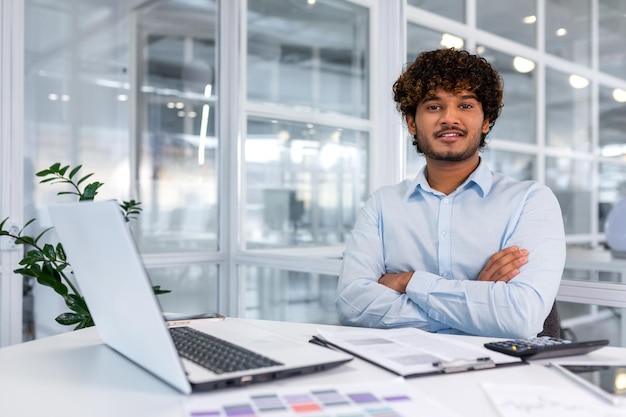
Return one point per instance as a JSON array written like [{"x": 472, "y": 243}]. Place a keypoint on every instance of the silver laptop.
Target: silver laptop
[{"x": 114, "y": 282}]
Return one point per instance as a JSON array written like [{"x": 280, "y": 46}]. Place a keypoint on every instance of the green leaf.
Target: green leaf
[
  {"x": 48, "y": 180},
  {"x": 90, "y": 191},
  {"x": 25, "y": 240},
  {"x": 27, "y": 272},
  {"x": 85, "y": 322},
  {"x": 49, "y": 251},
  {"x": 32, "y": 256},
  {"x": 74, "y": 171},
  {"x": 83, "y": 179},
  {"x": 43, "y": 173},
  {"x": 51, "y": 278},
  {"x": 42, "y": 233},
  {"x": 67, "y": 319},
  {"x": 63, "y": 170},
  {"x": 157, "y": 290},
  {"x": 26, "y": 225},
  {"x": 61, "y": 252},
  {"x": 76, "y": 303}
]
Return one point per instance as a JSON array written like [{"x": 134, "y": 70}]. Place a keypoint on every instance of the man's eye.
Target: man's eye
[
  {"x": 432, "y": 107},
  {"x": 466, "y": 106}
]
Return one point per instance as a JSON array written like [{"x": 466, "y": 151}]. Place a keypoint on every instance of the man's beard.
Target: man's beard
[{"x": 446, "y": 154}]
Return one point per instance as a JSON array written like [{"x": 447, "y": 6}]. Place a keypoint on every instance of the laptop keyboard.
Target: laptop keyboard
[{"x": 216, "y": 354}]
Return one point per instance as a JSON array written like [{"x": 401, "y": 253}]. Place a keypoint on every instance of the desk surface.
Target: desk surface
[{"x": 74, "y": 374}]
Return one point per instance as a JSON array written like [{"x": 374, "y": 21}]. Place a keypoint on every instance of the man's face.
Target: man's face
[{"x": 449, "y": 126}]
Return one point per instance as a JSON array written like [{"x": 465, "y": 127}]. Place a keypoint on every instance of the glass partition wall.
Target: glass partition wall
[
  {"x": 239, "y": 126},
  {"x": 306, "y": 147},
  {"x": 248, "y": 128}
]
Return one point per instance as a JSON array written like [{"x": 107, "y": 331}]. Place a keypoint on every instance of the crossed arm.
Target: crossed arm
[{"x": 502, "y": 266}]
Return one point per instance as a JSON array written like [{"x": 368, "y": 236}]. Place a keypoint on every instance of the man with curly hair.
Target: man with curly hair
[{"x": 459, "y": 249}]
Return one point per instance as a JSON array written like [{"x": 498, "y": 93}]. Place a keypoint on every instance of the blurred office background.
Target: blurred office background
[{"x": 253, "y": 130}]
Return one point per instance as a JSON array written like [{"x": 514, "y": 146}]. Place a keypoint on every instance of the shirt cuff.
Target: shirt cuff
[{"x": 419, "y": 287}]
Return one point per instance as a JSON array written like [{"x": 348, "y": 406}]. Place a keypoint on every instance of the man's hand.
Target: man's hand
[
  {"x": 504, "y": 265},
  {"x": 396, "y": 282}
]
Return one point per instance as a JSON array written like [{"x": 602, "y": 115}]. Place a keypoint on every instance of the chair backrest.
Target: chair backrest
[{"x": 552, "y": 324}]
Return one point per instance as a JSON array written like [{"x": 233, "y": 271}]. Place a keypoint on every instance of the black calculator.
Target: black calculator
[{"x": 545, "y": 347}]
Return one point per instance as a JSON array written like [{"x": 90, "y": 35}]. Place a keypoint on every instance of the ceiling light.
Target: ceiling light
[
  {"x": 283, "y": 135},
  {"x": 523, "y": 65},
  {"x": 451, "y": 41},
  {"x": 529, "y": 20},
  {"x": 53, "y": 97},
  {"x": 613, "y": 150},
  {"x": 561, "y": 32},
  {"x": 619, "y": 95},
  {"x": 577, "y": 81},
  {"x": 122, "y": 97},
  {"x": 620, "y": 381}
]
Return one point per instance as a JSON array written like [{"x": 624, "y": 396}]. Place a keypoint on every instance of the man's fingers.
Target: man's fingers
[
  {"x": 500, "y": 257},
  {"x": 504, "y": 265}
]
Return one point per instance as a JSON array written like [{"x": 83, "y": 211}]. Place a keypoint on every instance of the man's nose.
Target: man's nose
[{"x": 450, "y": 115}]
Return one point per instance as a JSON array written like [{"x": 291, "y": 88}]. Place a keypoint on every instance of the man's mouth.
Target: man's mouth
[{"x": 450, "y": 134}]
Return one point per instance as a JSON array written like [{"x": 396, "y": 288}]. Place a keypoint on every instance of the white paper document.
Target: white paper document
[
  {"x": 413, "y": 352},
  {"x": 547, "y": 401}
]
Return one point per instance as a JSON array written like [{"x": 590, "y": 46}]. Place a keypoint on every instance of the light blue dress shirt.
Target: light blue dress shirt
[{"x": 447, "y": 240}]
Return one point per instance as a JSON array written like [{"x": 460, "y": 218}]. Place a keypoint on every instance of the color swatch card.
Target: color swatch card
[{"x": 391, "y": 399}]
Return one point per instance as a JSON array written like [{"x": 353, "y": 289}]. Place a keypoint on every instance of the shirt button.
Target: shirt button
[
  {"x": 445, "y": 275},
  {"x": 444, "y": 233},
  {"x": 446, "y": 201}
]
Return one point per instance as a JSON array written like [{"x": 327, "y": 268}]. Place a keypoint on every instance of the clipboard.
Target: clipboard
[{"x": 410, "y": 352}]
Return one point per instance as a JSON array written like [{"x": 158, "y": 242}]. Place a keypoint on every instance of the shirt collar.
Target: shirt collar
[{"x": 481, "y": 177}]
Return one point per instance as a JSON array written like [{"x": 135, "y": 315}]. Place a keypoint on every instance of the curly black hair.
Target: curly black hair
[{"x": 453, "y": 70}]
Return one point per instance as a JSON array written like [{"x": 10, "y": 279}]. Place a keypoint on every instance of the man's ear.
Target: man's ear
[
  {"x": 410, "y": 124},
  {"x": 486, "y": 126}
]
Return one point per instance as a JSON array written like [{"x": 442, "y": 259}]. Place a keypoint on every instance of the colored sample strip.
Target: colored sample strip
[
  {"x": 302, "y": 403},
  {"x": 363, "y": 397},
  {"x": 329, "y": 402},
  {"x": 268, "y": 403},
  {"x": 239, "y": 410},
  {"x": 330, "y": 397}
]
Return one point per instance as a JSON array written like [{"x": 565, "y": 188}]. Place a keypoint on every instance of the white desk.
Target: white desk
[{"x": 73, "y": 374}]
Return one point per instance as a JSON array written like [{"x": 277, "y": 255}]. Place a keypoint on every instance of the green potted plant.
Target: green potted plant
[{"x": 46, "y": 263}]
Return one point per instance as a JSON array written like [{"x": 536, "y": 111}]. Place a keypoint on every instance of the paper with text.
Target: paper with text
[
  {"x": 409, "y": 351},
  {"x": 547, "y": 401}
]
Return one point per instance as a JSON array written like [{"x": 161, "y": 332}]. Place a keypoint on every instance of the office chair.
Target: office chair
[{"x": 552, "y": 324}]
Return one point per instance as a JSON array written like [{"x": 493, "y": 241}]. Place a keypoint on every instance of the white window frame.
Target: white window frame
[{"x": 11, "y": 164}]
